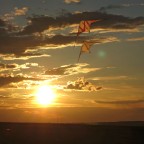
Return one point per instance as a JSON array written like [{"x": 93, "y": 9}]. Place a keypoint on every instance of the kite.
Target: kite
[
  {"x": 84, "y": 26},
  {"x": 86, "y": 47}
]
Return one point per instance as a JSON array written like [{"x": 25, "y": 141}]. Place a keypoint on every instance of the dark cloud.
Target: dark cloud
[
  {"x": 2, "y": 23},
  {"x": 41, "y": 23},
  {"x": 125, "y": 102},
  {"x": 12, "y": 43},
  {"x": 7, "y": 65},
  {"x": 61, "y": 39},
  {"x": 7, "y": 28},
  {"x": 81, "y": 84},
  {"x": 7, "y": 79},
  {"x": 65, "y": 40},
  {"x": 18, "y": 45},
  {"x": 63, "y": 70},
  {"x": 2, "y": 28},
  {"x": 18, "y": 42}
]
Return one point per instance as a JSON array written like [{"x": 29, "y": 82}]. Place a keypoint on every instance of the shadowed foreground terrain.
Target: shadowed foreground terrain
[{"x": 102, "y": 133}]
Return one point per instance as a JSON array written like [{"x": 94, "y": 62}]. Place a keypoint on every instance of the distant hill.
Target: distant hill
[{"x": 123, "y": 123}]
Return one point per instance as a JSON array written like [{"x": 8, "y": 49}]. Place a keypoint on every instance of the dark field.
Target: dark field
[{"x": 102, "y": 133}]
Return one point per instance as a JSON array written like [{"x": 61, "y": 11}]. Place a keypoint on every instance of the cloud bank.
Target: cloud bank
[{"x": 40, "y": 31}]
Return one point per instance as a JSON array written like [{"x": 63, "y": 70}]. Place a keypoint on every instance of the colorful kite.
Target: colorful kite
[
  {"x": 84, "y": 26},
  {"x": 86, "y": 47}
]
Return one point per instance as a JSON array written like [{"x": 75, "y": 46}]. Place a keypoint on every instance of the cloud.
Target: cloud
[
  {"x": 71, "y": 69},
  {"x": 17, "y": 47},
  {"x": 3, "y": 31},
  {"x": 20, "y": 11},
  {"x": 136, "y": 39},
  {"x": 28, "y": 55},
  {"x": 27, "y": 66},
  {"x": 22, "y": 56},
  {"x": 6, "y": 79},
  {"x": 121, "y": 102},
  {"x": 110, "y": 78},
  {"x": 8, "y": 44},
  {"x": 14, "y": 42},
  {"x": 71, "y": 1},
  {"x": 16, "y": 12},
  {"x": 60, "y": 41},
  {"x": 2, "y": 23},
  {"x": 63, "y": 70},
  {"x": 5, "y": 66},
  {"x": 41, "y": 23},
  {"x": 81, "y": 84},
  {"x": 14, "y": 46},
  {"x": 110, "y": 7},
  {"x": 7, "y": 24}
]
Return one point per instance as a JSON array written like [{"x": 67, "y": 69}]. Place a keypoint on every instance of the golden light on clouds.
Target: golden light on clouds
[{"x": 45, "y": 96}]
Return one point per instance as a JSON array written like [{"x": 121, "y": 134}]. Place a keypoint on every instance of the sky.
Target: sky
[{"x": 41, "y": 79}]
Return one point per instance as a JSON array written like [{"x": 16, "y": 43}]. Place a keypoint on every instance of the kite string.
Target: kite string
[
  {"x": 75, "y": 41},
  {"x": 79, "y": 55}
]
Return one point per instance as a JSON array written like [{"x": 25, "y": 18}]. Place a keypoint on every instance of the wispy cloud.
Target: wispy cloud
[
  {"x": 14, "y": 66},
  {"x": 110, "y": 78},
  {"x": 71, "y": 69},
  {"x": 136, "y": 39},
  {"x": 110, "y": 7},
  {"x": 71, "y": 1},
  {"x": 120, "y": 102},
  {"x": 22, "y": 56}
]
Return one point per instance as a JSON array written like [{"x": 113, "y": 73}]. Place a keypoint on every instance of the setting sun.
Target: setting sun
[{"x": 45, "y": 95}]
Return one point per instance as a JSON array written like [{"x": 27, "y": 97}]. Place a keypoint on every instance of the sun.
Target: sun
[{"x": 45, "y": 95}]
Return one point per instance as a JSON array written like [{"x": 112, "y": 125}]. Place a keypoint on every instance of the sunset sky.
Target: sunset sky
[{"x": 39, "y": 53}]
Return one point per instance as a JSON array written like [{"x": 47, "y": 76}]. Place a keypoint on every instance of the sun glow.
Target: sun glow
[{"x": 45, "y": 95}]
